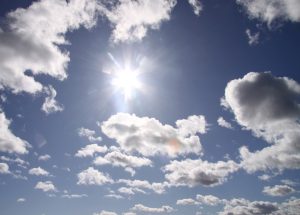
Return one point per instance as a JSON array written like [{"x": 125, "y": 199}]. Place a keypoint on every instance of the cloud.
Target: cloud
[
  {"x": 223, "y": 123},
  {"x": 50, "y": 105},
  {"x": 38, "y": 172},
  {"x": 74, "y": 196},
  {"x": 90, "y": 150},
  {"x": 92, "y": 176},
  {"x": 46, "y": 186},
  {"x": 44, "y": 157},
  {"x": 188, "y": 201},
  {"x": 116, "y": 158},
  {"x": 197, "y": 172},
  {"x": 278, "y": 190},
  {"x": 103, "y": 212},
  {"x": 268, "y": 106},
  {"x": 89, "y": 134},
  {"x": 4, "y": 168},
  {"x": 132, "y": 19},
  {"x": 162, "y": 209},
  {"x": 114, "y": 196},
  {"x": 289, "y": 182},
  {"x": 21, "y": 163},
  {"x": 149, "y": 137},
  {"x": 21, "y": 200},
  {"x": 253, "y": 39},
  {"x": 197, "y": 6},
  {"x": 8, "y": 141},
  {"x": 270, "y": 11},
  {"x": 143, "y": 184},
  {"x": 209, "y": 200},
  {"x": 31, "y": 38}
]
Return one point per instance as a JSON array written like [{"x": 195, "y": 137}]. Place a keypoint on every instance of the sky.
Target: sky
[{"x": 135, "y": 107}]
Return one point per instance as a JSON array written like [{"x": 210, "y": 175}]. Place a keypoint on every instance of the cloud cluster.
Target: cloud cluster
[
  {"x": 31, "y": 38},
  {"x": 269, "y": 107},
  {"x": 8, "y": 141},
  {"x": 198, "y": 172},
  {"x": 270, "y": 11},
  {"x": 150, "y": 137},
  {"x": 92, "y": 176}
]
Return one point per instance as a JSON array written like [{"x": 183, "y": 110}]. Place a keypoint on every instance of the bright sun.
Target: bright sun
[{"x": 127, "y": 82}]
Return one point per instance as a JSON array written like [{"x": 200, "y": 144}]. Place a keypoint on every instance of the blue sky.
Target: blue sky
[{"x": 149, "y": 107}]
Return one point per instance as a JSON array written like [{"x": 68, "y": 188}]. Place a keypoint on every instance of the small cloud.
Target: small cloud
[
  {"x": 38, "y": 171},
  {"x": 21, "y": 200},
  {"x": 50, "y": 105},
  {"x": 223, "y": 123},
  {"x": 253, "y": 38},
  {"x": 44, "y": 157},
  {"x": 46, "y": 186}
]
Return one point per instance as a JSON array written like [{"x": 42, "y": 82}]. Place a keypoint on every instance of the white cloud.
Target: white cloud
[
  {"x": 74, "y": 196},
  {"x": 268, "y": 106},
  {"x": 188, "y": 201},
  {"x": 270, "y": 11},
  {"x": 197, "y": 6},
  {"x": 89, "y": 134},
  {"x": 90, "y": 150},
  {"x": 8, "y": 141},
  {"x": 209, "y": 200},
  {"x": 132, "y": 19},
  {"x": 143, "y": 184},
  {"x": 149, "y": 137},
  {"x": 21, "y": 200},
  {"x": 278, "y": 190},
  {"x": 289, "y": 182},
  {"x": 4, "y": 168},
  {"x": 50, "y": 105},
  {"x": 38, "y": 172},
  {"x": 145, "y": 209},
  {"x": 223, "y": 123},
  {"x": 44, "y": 157},
  {"x": 103, "y": 212},
  {"x": 253, "y": 38},
  {"x": 197, "y": 172},
  {"x": 46, "y": 186},
  {"x": 245, "y": 207},
  {"x": 31, "y": 38},
  {"x": 114, "y": 196},
  {"x": 117, "y": 158},
  {"x": 18, "y": 161},
  {"x": 92, "y": 176}
]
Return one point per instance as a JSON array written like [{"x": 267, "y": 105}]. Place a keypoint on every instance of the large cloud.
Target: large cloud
[
  {"x": 197, "y": 172},
  {"x": 272, "y": 10},
  {"x": 8, "y": 141},
  {"x": 150, "y": 137},
  {"x": 31, "y": 38},
  {"x": 269, "y": 107}
]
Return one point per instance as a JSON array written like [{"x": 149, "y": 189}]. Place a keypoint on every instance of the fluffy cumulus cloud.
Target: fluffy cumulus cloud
[
  {"x": 272, "y": 10},
  {"x": 188, "y": 201},
  {"x": 46, "y": 186},
  {"x": 31, "y": 38},
  {"x": 44, "y": 157},
  {"x": 89, "y": 134},
  {"x": 117, "y": 158},
  {"x": 142, "y": 208},
  {"x": 223, "y": 123},
  {"x": 197, "y": 172},
  {"x": 245, "y": 207},
  {"x": 50, "y": 105},
  {"x": 150, "y": 137},
  {"x": 90, "y": 150},
  {"x": 38, "y": 171},
  {"x": 4, "y": 168},
  {"x": 132, "y": 19},
  {"x": 92, "y": 176},
  {"x": 278, "y": 190},
  {"x": 8, "y": 141},
  {"x": 269, "y": 107},
  {"x": 142, "y": 185},
  {"x": 209, "y": 200}
]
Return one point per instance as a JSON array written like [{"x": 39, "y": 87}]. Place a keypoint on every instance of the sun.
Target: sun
[{"x": 127, "y": 82}]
